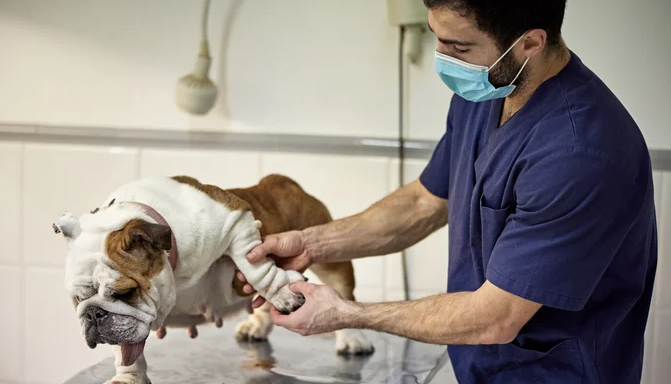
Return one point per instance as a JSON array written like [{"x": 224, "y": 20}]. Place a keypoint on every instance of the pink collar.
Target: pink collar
[{"x": 172, "y": 255}]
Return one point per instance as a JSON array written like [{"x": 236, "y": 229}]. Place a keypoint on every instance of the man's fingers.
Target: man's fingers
[
  {"x": 247, "y": 289},
  {"x": 301, "y": 332},
  {"x": 241, "y": 277},
  {"x": 281, "y": 320},
  {"x": 258, "y": 302}
]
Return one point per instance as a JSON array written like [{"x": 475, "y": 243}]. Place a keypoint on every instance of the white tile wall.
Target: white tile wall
[
  {"x": 661, "y": 355},
  {"x": 11, "y": 324},
  {"x": 59, "y": 61},
  {"x": 649, "y": 350},
  {"x": 427, "y": 260},
  {"x": 333, "y": 74},
  {"x": 651, "y": 336},
  {"x": 60, "y": 178},
  {"x": 658, "y": 335},
  {"x": 224, "y": 169},
  {"x": 40, "y": 333},
  {"x": 663, "y": 298},
  {"x": 53, "y": 340},
  {"x": 10, "y": 193}
]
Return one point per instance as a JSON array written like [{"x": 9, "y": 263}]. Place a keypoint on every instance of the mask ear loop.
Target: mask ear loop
[
  {"x": 505, "y": 53},
  {"x": 520, "y": 72}
]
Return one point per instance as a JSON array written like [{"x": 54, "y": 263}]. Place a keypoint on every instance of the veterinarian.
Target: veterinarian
[{"x": 552, "y": 235}]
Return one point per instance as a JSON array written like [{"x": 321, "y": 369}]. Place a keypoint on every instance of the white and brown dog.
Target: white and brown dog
[{"x": 163, "y": 252}]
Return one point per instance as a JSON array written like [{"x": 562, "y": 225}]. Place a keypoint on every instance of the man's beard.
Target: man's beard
[{"x": 505, "y": 71}]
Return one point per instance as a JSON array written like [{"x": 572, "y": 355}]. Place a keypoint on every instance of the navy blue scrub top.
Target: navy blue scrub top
[{"x": 555, "y": 206}]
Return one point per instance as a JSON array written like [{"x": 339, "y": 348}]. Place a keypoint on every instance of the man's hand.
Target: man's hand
[
  {"x": 287, "y": 249},
  {"x": 324, "y": 311}
]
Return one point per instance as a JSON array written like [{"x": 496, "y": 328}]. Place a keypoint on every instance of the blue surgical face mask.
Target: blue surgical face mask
[{"x": 471, "y": 81}]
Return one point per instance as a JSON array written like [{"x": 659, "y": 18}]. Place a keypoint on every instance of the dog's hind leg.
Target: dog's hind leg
[
  {"x": 257, "y": 326},
  {"x": 340, "y": 276}
]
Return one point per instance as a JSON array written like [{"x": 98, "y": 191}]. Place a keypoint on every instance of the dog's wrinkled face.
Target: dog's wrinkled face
[{"x": 118, "y": 276}]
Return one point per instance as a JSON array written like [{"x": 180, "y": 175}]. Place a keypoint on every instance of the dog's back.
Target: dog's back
[{"x": 291, "y": 207}]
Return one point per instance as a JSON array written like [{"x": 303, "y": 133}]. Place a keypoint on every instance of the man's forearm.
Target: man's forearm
[
  {"x": 391, "y": 225},
  {"x": 445, "y": 319}
]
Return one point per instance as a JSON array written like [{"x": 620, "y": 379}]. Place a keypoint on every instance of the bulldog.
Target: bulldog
[{"x": 163, "y": 252}]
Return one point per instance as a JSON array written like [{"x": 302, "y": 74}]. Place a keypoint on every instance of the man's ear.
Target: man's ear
[
  {"x": 68, "y": 225},
  {"x": 159, "y": 236}
]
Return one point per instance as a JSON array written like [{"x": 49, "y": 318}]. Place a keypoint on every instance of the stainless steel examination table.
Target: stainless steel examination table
[{"x": 215, "y": 357}]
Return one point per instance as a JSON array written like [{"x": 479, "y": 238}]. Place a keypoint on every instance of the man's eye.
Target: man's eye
[{"x": 459, "y": 51}]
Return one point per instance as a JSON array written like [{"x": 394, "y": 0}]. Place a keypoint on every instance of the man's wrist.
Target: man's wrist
[
  {"x": 313, "y": 248},
  {"x": 351, "y": 315}
]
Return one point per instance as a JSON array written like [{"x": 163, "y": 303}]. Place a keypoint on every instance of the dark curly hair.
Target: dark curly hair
[{"x": 507, "y": 20}]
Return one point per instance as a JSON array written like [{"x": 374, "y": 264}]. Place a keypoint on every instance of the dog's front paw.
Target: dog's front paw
[
  {"x": 353, "y": 342},
  {"x": 284, "y": 299},
  {"x": 126, "y": 378}
]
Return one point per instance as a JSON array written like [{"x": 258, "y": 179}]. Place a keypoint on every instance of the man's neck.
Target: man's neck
[{"x": 548, "y": 66}]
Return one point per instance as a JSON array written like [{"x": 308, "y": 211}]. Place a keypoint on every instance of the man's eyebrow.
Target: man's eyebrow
[{"x": 452, "y": 41}]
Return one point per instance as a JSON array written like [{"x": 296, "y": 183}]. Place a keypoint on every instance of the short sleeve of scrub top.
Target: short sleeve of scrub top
[{"x": 436, "y": 176}]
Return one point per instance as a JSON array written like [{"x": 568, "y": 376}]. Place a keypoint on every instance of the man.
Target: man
[{"x": 553, "y": 243}]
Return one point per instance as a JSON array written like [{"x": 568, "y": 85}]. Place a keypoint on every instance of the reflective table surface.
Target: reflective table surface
[{"x": 216, "y": 357}]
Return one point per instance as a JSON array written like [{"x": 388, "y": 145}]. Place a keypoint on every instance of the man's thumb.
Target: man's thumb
[
  {"x": 257, "y": 254},
  {"x": 299, "y": 287}
]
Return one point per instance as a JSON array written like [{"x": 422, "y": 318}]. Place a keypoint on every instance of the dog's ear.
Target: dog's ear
[
  {"x": 159, "y": 236},
  {"x": 68, "y": 225}
]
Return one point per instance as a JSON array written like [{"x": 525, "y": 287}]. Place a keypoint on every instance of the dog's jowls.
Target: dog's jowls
[{"x": 122, "y": 283}]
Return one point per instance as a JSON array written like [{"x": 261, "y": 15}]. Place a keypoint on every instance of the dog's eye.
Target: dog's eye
[
  {"x": 84, "y": 292},
  {"x": 79, "y": 298},
  {"x": 125, "y": 295}
]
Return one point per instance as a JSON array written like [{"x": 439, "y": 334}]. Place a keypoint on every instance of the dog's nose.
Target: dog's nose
[{"x": 95, "y": 314}]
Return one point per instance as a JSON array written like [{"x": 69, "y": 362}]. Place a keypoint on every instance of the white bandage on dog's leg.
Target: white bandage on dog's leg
[{"x": 264, "y": 276}]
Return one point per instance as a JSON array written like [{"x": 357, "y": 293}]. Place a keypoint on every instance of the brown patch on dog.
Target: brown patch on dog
[
  {"x": 124, "y": 289},
  {"x": 231, "y": 201},
  {"x": 136, "y": 251},
  {"x": 282, "y": 205},
  {"x": 124, "y": 284}
]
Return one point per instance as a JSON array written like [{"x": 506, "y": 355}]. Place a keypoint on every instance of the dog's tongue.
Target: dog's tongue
[{"x": 131, "y": 352}]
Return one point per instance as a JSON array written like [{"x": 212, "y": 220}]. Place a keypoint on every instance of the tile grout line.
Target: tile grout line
[{"x": 383, "y": 146}]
